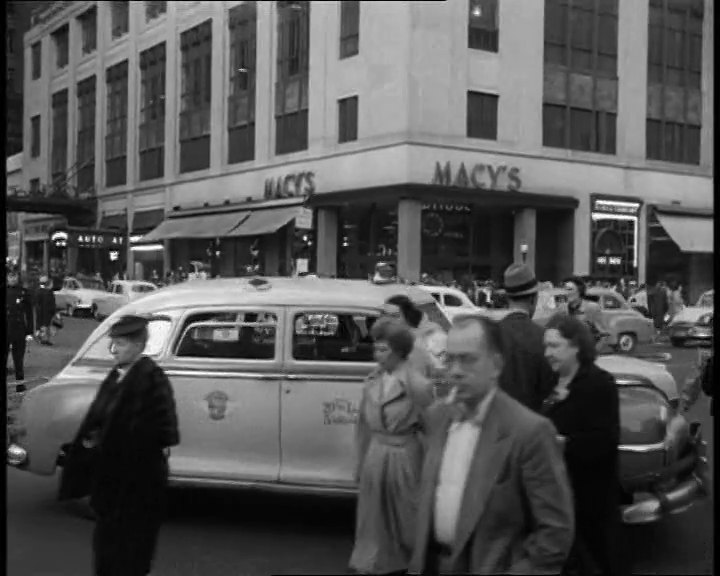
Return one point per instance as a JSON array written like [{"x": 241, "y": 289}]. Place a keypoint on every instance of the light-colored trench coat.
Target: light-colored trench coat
[{"x": 390, "y": 454}]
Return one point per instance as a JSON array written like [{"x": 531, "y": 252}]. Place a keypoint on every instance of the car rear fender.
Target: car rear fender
[{"x": 49, "y": 417}]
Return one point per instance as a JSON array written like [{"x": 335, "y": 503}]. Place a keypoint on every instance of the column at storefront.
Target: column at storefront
[
  {"x": 524, "y": 244},
  {"x": 327, "y": 241},
  {"x": 409, "y": 239},
  {"x": 642, "y": 244}
]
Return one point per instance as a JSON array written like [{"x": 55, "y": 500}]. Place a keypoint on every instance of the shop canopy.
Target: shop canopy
[
  {"x": 266, "y": 221},
  {"x": 690, "y": 233},
  {"x": 197, "y": 226}
]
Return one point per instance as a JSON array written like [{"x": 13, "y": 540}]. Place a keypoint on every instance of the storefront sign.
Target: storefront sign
[
  {"x": 452, "y": 208},
  {"x": 482, "y": 176},
  {"x": 304, "y": 219},
  {"x": 616, "y": 207},
  {"x": 298, "y": 185},
  {"x": 611, "y": 260},
  {"x": 88, "y": 239}
]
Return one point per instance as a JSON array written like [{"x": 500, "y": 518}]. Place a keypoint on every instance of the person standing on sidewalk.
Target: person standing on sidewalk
[
  {"x": 44, "y": 310},
  {"x": 19, "y": 322},
  {"x": 120, "y": 455}
]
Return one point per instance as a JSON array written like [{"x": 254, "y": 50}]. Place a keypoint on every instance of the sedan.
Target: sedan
[
  {"x": 121, "y": 292},
  {"x": 694, "y": 323},
  {"x": 451, "y": 300},
  {"x": 77, "y": 295}
]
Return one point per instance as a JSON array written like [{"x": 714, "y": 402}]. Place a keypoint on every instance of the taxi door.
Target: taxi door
[
  {"x": 328, "y": 356},
  {"x": 225, "y": 370}
]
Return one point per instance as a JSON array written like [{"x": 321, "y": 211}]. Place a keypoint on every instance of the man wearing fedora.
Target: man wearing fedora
[
  {"x": 526, "y": 374},
  {"x": 119, "y": 455}
]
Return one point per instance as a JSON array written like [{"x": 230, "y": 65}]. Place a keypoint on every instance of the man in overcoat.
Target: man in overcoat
[
  {"x": 120, "y": 455},
  {"x": 19, "y": 322},
  {"x": 526, "y": 374},
  {"x": 494, "y": 496},
  {"x": 44, "y": 309}
]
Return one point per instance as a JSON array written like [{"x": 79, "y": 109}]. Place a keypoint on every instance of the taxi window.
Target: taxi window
[
  {"x": 158, "y": 331},
  {"x": 453, "y": 301},
  {"x": 142, "y": 288},
  {"x": 246, "y": 335},
  {"x": 333, "y": 337},
  {"x": 611, "y": 303}
]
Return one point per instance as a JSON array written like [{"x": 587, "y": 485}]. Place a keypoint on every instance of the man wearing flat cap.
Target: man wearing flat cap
[
  {"x": 119, "y": 456},
  {"x": 526, "y": 374}
]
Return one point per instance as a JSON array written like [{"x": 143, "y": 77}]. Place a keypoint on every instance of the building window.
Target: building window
[
  {"x": 61, "y": 40},
  {"x": 36, "y": 52},
  {"x": 59, "y": 135},
  {"x": 35, "y": 136},
  {"x": 482, "y": 115},
  {"x": 195, "y": 96},
  {"x": 10, "y": 39},
  {"x": 483, "y": 25},
  {"x": 86, "y": 98},
  {"x": 34, "y": 185},
  {"x": 154, "y": 10},
  {"x": 348, "y": 119},
  {"x": 579, "y": 129},
  {"x": 116, "y": 79},
  {"x": 152, "y": 113},
  {"x": 674, "y": 112},
  {"x": 88, "y": 24},
  {"x": 291, "y": 90},
  {"x": 120, "y": 19},
  {"x": 582, "y": 35},
  {"x": 349, "y": 28},
  {"x": 241, "y": 99}
]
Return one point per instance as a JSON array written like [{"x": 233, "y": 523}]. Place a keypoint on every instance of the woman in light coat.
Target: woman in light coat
[{"x": 390, "y": 453}]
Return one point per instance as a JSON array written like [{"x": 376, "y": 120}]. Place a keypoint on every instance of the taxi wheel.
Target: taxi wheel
[{"x": 626, "y": 342}]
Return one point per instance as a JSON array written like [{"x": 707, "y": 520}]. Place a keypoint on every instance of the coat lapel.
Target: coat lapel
[{"x": 490, "y": 454}]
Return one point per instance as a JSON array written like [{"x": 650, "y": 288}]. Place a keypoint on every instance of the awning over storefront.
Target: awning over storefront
[
  {"x": 147, "y": 220},
  {"x": 198, "y": 226},
  {"x": 690, "y": 233},
  {"x": 114, "y": 222},
  {"x": 265, "y": 221}
]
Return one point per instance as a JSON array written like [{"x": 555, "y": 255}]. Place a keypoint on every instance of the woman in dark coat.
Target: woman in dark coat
[
  {"x": 119, "y": 455},
  {"x": 584, "y": 407}
]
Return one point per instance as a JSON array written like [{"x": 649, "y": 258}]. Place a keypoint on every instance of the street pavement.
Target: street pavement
[{"x": 224, "y": 533}]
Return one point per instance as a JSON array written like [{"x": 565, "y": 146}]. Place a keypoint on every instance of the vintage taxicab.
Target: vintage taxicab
[
  {"x": 119, "y": 293},
  {"x": 694, "y": 323},
  {"x": 77, "y": 295},
  {"x": 268, "y": 373}
]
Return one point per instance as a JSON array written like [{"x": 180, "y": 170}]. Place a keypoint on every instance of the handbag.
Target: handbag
[
  {"x": 57, "y": 320},
  {"x": 78, "y": 471}
]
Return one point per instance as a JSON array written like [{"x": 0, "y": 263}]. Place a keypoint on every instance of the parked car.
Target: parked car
[
  {"x": 694, "y": 323},
  {"x": 451, "y": 300},
  {"x": 627, "y": 326},
  {"x": 268, "y": 377},
  {"x": 550, "y": 302},
  {"x": 120, "y": 293},
  {"x": 77, "y": 295}
]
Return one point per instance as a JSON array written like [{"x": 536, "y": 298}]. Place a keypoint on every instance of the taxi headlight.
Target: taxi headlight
[{"x": 16, "y": 455}]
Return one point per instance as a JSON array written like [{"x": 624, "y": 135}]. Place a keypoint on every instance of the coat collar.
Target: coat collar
[{"x": 397, "y": 390}]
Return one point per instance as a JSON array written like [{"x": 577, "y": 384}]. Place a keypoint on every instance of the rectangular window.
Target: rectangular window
[
  {"x": 482, "y": 115},
  {"x": 332, "y": 336},
  {"x": 61, "y": 41},
  {"x": 291, "y": 90},
  {"x": 88, "y": 25},
  {"x": 675, "y": 78},
  {"x": 119, "y": 19},
  {"x": 36, "y": 51},
  {"x": 348, "y": 119},
  {"x": 59, "y": 135},
  {"x": 35, "y": 137},
  {"x": 349, "y": 28},
  {"x": 241, "y": 99},
  {"x": 195, "y": 96},
  {"x": 86, "y": 98},
  {"x": 34, "y": 185},
  {"x": 116, "y": 129},
  {"x": 483, "y": 25},
  {"x": 152, "y": 113},
  {"x": 154, "y": 10},
  {"x": 582, "y": 35},
  {"x": 579, "y": 129},
  {"x": 246, "y": 335}
]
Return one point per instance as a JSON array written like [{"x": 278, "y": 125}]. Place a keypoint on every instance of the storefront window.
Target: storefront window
[
  {"x": 367, "y": 234},
  {"x": 614, "y": 247}
]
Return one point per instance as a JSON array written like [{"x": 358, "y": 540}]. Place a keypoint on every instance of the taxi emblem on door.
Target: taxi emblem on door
[{"x": 217, "y": 404}]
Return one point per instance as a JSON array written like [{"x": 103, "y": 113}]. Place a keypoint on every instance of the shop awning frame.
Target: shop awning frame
[
  {"x": 690, "y": 233},
  {"x": 216, "y": 225},
  {"x": 268, "y": 221}
]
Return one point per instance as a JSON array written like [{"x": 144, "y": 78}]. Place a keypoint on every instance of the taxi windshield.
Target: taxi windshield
[{"x": 158, "y": 332}]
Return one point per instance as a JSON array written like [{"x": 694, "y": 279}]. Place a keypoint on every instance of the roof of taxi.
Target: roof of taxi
[{"x": 282, "y": 291}]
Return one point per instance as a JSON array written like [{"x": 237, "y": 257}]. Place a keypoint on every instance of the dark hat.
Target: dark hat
[
  {"x": 128, "y": 326},
  {"x": 520, "y": 281}
]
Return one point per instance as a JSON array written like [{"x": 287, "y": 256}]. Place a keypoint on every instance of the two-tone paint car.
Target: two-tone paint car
[
  {"x": 694, "y": 323},
  {"x": 451, "y": 300},
  {"x": 268, "y": 376},
  {"x": 77, "y": 294},
  {"x": 120, "y": 293}
]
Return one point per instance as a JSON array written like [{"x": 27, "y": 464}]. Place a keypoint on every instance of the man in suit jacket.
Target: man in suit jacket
[
  {"x": 495, "y": 497},
  {"x": 119, "y": 455},
  {"x": 526, "y": 374}
]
